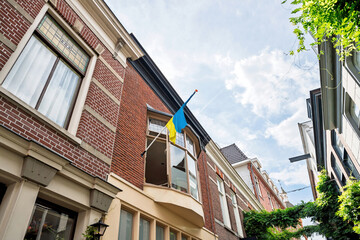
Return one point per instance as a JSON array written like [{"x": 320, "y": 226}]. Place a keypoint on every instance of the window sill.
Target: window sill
[{"x": 11, "y": 97}]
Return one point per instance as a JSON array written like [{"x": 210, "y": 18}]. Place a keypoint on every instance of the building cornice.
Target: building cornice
[{"x": 110, "y": 25}]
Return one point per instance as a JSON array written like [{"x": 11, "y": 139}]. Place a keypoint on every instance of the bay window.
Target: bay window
[
  {"x": 171, "y": 165},
  {"x": 48, "y": 72}
]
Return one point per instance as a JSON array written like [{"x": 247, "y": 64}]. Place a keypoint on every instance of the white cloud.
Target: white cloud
[
  {"x": 268, "y": 82},
  {"x": 286, "y": 133},
  {"x": 292, "y": 174}
]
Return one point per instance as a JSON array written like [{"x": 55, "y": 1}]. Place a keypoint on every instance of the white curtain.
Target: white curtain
[
  {"x": 59, "y": 94},
  {"x": 144, "y": 230},
  {"x": 30, "y": 72},
  {"x": 126, "y": 220}
]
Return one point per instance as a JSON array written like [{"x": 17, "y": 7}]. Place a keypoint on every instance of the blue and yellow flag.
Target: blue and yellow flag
[{"x": 178, "y": 121}]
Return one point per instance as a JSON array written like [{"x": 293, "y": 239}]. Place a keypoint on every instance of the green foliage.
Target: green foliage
[
  {"x": 89, "y": 233},
  {"x": 283, "y": 224},
  {"x": 334, "y": 20},
  {"x": 349, "y": 208}
]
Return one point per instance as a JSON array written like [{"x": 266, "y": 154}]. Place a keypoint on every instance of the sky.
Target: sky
[{"x": 236, "y": 53}]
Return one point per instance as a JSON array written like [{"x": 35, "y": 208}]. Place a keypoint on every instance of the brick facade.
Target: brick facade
[
  {"x": 220, "y": 229},
  {"x": 90, "y": 130},
  {"x": 131, "y": 128},
  {"x": 265, "y": 189}
]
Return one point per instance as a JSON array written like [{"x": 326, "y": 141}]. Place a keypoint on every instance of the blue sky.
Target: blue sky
[{"x": 251, "y": 92}]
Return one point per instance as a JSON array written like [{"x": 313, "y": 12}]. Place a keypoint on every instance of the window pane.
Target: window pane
[
  {"x": 155, "y": 170},
  {"x": 190, "y": 146},
  {"x": 156, "y": 126},
  {"x": 56, "y": 36},
  {"x": 178, "y": 169},
  {"x": 159, "y": 233},
  {"x": 144, "y": 230},
  {"x": 354, "y": 112},
  {"x": 192, "y": 177},
  {"x": 49, "y": 224},
  {"x": 126, "y": 221},
  {"x": 184, "y": 238},
  {"x": 172, "y": 236},
  {"x": 28, "y": 76},
  {"x": 59, "y": 94},
  {"x": 180, "y": 139}
]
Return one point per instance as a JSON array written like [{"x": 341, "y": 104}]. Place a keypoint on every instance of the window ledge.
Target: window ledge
[
  {"x": 8, "y": 95},
  {"x": 178, "y": 202}
]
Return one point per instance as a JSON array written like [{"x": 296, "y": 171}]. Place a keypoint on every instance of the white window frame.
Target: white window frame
[
  {"x": 237, "y": 215},
  {"x": 269, "y": 197},
  {"x": 223, "y": 202},
  {"x": 257, "y": 185}
]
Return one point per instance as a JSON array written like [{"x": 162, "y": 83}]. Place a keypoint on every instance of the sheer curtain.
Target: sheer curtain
[
  {"x": 144, "y": 229},
  {"x": 30, "y": 72},
  {"x": 59, "y": 94}
]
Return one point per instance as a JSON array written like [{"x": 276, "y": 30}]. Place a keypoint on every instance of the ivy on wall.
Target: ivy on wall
[{"x": 283, "y": 224}]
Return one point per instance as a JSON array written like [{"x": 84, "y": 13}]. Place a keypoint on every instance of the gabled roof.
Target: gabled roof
[{"x": 233, "y": 154}]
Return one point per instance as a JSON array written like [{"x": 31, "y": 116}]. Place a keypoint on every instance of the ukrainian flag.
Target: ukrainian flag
[{"x": 178, "y": 121}]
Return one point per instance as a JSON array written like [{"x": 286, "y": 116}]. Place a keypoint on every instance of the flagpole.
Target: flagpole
[{"x": 153, "y": 141}]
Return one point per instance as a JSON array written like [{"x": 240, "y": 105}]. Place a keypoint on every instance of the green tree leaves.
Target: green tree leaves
[
  {"x": 284, "y": 223},
  {"x": 334, "y": 20}
]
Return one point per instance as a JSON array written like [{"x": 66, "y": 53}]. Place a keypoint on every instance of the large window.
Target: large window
[
  {"x": 223, "y": 202},
  {"x": 50, "y": 222},
  {"x": 171, "y": 165},
  {"x": 48, "y": 72},
  {"x": 236, "y": 212}
]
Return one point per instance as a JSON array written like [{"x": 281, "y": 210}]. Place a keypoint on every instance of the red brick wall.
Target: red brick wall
[
  {"x": 206, "y": 192},
  {"x": 264, "y": 200},
  {"x": 29, "y": 127},
  {"x": 223, "y": 232},
  {"x": 5, "y": 53},
  {"x": 131, "y": 128},
  {"x": 12, "y": 24}
]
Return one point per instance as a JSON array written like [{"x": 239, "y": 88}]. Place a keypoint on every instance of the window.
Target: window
[
  {"x": 2, "y": 191},
  {"x": 126, "y": 224},
  {"x": 352, "y": 113},
  {"x": 51, "y": 222},
  {"x": 223, "y": 203},
  {"x": 48, "y": 72},
  {"x": 160, "y": 233},
  {"x": 271, "y": 204},
  {"x": 144, "y": 229},
  {"x": 343, "y": 155},
  {"x": 236, "y": 212},
  {"x": 171, "y": 165},
  {"x": 184, "y": 237},
  {"x": 337, "y": 170},
  {"x": 257, "y": 186},
  {"x": 173, "y": 235}
]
